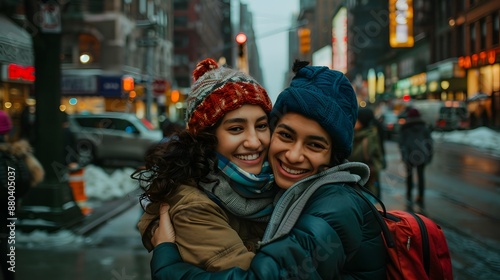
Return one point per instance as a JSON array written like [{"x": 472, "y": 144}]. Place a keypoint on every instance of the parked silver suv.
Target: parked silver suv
[{"x": 112, "y": 135}]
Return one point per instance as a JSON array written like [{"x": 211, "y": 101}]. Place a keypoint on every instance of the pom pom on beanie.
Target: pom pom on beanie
[
  {"x": 325, "y": 96},
  {"x": 219, "y": 90}
]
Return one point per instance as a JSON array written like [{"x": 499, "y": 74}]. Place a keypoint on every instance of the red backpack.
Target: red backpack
[{"x": 416, "y": 245}]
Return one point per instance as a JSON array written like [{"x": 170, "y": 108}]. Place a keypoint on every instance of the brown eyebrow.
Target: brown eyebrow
[
  {"x": 311, "y": 137},
  {"x": 242, "y": 120}
]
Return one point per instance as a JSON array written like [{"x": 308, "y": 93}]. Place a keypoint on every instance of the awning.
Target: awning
[
  {"x": 478, "y": 96},
  {"x": 15, "y": 43}
]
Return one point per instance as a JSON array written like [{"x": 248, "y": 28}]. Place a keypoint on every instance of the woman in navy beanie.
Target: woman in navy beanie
[{"x": 321, "y": 228}]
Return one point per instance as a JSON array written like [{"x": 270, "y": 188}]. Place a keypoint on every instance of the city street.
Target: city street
[
  {"x": 88, "y": 88},
  {"x": 462, "y": 196}
]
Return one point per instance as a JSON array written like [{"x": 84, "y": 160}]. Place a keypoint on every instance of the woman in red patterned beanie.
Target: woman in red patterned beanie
[{"x": 214, "y": 174}]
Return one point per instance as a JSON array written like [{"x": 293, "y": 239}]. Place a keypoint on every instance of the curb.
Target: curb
[{"x": 107, "y": 211}]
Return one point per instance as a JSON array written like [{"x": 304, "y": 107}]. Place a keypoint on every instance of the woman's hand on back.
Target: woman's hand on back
[{"x": 165, "y": 230}]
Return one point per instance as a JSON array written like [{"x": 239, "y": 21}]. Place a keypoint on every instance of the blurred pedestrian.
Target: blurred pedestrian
[
  {"x": 71, "y": 156},
  {"x": 367, "y": 148},
  {"x": 20, "y": 171},
  {"x": 28, "y": 125},
  {"x": 169, "y": 128},
  {"x": 416, "y": 146}
]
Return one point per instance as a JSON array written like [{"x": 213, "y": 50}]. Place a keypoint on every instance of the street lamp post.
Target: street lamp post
[
  {"x": 51, "y": 203},
  {"x": 149, "y": 41}
]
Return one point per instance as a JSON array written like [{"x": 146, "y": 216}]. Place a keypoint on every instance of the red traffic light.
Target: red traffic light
[
  {"x": 241, "y": 38},
  {"x": 406, "y": 98},
  {"x": 128, "y": 83}
]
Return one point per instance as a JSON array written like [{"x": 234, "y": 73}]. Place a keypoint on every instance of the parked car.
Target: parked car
[
  {"x": 390, "y": 124},
  {"x": 453, "y": 115},
  {"x": 112, "y": 135}
]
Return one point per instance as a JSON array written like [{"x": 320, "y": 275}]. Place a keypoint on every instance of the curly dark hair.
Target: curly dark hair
[{"x": 185, "y": 159}]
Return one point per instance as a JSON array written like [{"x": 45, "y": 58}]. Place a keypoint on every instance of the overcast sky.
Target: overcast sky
[{"x": 271, "y": 20}]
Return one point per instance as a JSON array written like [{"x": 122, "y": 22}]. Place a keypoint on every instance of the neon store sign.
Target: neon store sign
[
  {"x": 478, "y": 59},
  {"x": 17, "y": 72}
]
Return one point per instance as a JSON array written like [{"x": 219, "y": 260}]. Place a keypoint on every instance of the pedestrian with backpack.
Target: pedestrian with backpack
[
  {"x": 367, "y": 148},
  {"x": 19, "y": 171},
  {"x": 416, "y": 146}
]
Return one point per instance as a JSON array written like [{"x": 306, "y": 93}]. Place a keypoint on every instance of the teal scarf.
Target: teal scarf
[{"x": 243, "y": 194}]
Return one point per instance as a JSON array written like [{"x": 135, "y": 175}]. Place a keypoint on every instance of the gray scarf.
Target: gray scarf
[
  {"x": 291, "y": 202},
  {"x": 219, "y": 188}
]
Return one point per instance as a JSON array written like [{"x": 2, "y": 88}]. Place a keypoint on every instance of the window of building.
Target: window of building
[
  {"x": 183, "y": 81},
  {"x": 444, "y": 46},
  {"x": 472, "y": 30},
  {"x": 180, "y": 21},
  {"x": 484, "y": 32},
  {"x": 181, "y": 4},
  {"x": 88, "y": 48},
  {"x": 181, "y": 41},
  {"x": 461, "y": 40},
  {"x": 181, "y": 59},
  {"x": 142, "y": 7},
  {"x": 460, "y": 6},
  {"x": 96, "y": 7},
  {"x": 496, "y": 29},
  {"x": 67, "y": 46}
]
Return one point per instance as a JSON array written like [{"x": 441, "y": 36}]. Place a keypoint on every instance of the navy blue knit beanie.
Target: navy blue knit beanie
[{"x": 325, "y": 96}]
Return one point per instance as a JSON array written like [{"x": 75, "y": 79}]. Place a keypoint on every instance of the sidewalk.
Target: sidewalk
[{"x": 104, "y": 211}]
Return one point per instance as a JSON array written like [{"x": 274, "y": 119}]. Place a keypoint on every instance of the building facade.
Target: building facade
[
  {"x": 395, "y": 51},
  {"x": 106, "y": 43},
  {"x": 17, "y": 68}
]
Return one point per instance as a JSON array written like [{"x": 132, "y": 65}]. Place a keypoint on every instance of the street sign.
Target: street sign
[
  {"x": 159, "y": 87},
  {"x": 50, "y": 18}
]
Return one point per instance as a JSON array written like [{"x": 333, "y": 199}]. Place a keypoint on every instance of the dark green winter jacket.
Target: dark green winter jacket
[{"x": 335, "y": 236}]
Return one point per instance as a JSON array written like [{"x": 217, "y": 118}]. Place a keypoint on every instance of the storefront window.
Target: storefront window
[
  {"x": 496, "y": 29},
  {"x": 473, "y": 37},
  {"x": 483, "y": 34}
]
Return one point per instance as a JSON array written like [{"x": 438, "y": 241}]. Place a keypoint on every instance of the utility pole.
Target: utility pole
[
  {"x": 150, "y": 42},
  {"x": 241, "y": 40},
  {"x": 52, "y": 200}
]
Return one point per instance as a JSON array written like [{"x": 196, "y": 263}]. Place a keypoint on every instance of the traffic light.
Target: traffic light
[
  {"x": 175, "y": 96},
  {"x": 128, "y": 83},
  {"x": 304, "y": 40},
  {"x": 131, "y": 96},
  {"x": 241, "y": 39}
]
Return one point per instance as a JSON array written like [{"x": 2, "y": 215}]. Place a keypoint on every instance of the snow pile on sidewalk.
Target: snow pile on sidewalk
[
  {"x": 103, "y": 186},
  {"x": 49, "y": 240},
  {"x": 481, "y": 138}
]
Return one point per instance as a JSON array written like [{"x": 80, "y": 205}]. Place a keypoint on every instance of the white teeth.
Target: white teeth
[
  {"x": 248, "y": 157},
  {"x": 292, "y": 171}
]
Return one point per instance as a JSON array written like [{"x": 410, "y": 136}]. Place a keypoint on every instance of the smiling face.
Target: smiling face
[
  {"x": 243, "y": 137},
  {"x": 299, "y": 148}
]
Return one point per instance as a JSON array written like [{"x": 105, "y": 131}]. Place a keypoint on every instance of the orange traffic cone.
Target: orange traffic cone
[{"x": 78, "y": 186}]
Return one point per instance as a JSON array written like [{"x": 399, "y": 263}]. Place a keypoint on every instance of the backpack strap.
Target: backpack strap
[
  {"x": 389, "y": 239},
  {"x": 283, "y": 219},
  {"x": 425, "y": 242}
]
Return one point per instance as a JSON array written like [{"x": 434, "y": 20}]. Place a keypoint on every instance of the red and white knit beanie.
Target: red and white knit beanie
[{"x": 219, "y": 90}]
